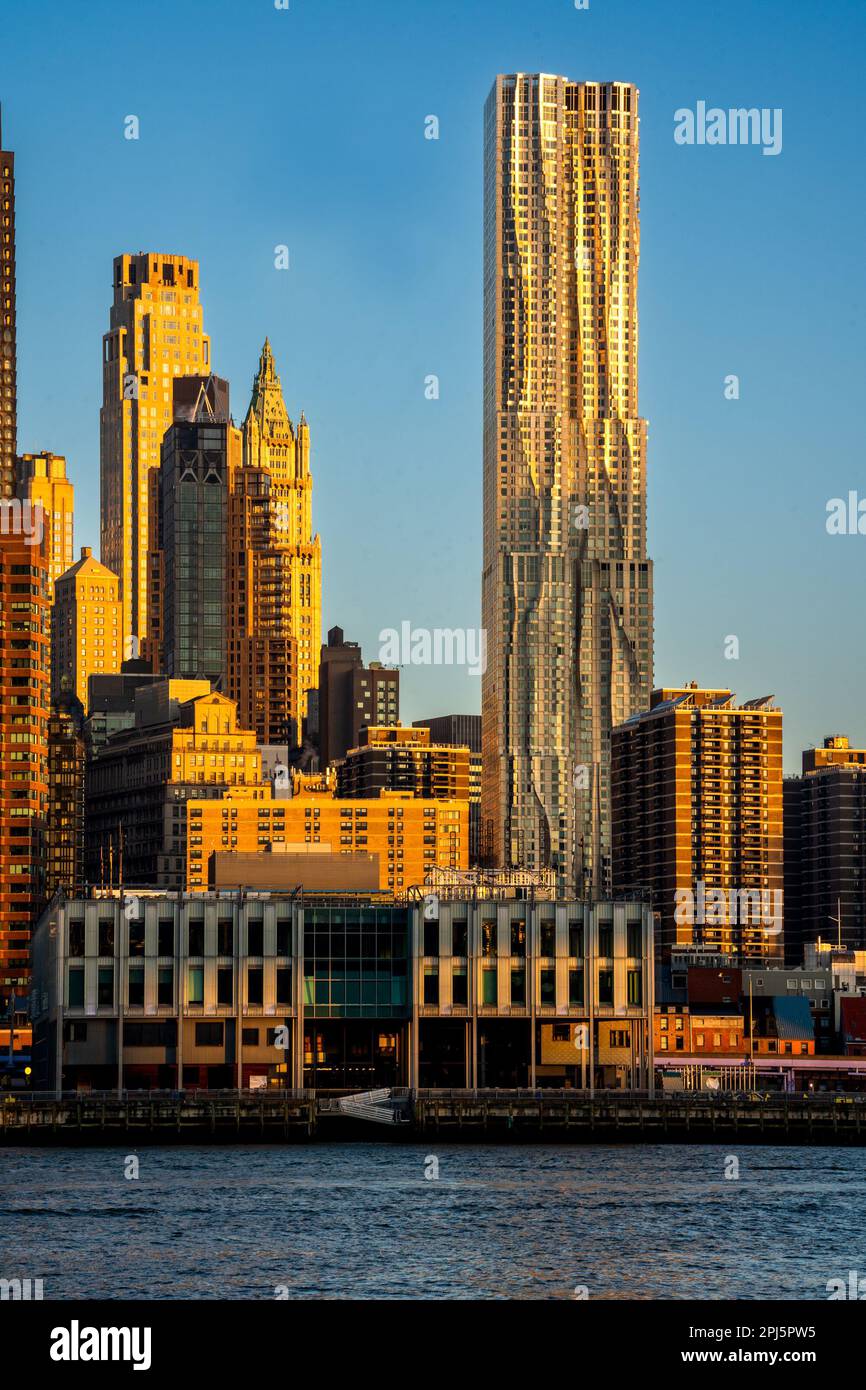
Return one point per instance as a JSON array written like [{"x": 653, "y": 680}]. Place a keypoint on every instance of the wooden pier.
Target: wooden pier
[
  {"x": 243, "y": 1117},
  {"x": 468, "y": 1116}
]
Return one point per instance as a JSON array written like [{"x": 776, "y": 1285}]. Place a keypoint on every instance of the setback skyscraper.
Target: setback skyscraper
[
  {"x": 155, "y": 334},
  {"x": 567, "y": 586}
]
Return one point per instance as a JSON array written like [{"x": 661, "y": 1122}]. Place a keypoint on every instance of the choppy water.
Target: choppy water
[{"x": 363, "y": 1221}]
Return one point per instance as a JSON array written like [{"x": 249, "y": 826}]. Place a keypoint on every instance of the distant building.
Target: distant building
[
  {"x": 9, "y": 338},
  {"x": 194, "y": 481},
  {"x": 697, "y": 819},
  {"x": 155, "y": 333},
  {"x": 392, "y": 758},
  {"x": 464, "y": 730},
  {"x": 275, "y": 568},
  {"x": 24, "y": 707},
  {"x": 86, "y": 626},
  {"x": 64, "y": 826},
  {"x": 185, "y": 743},
  {"x": 42, "y": 481},
  {"x": 825, "y": 849},
  {"x": 111, "y": 700},
  {"x": 351, "y": 696},
  {"x": 239, "y": 989},
  {"x": 410, "y": 834}
]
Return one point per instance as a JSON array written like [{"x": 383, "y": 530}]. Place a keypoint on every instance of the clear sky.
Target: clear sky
[{"x": 305, "y": 127}]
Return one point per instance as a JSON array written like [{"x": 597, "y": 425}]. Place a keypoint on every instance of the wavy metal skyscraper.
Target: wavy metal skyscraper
[{"x": 566, "y": 586}]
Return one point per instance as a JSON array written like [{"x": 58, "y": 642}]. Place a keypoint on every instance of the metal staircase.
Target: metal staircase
[{"x": 384, "y": 1107}]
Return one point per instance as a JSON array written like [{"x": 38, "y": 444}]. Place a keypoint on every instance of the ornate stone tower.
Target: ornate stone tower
[{"x": 276, "y": 571}]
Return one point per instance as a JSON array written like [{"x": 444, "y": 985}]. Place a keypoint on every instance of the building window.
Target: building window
[
  {"x": 165, "y": 986},
  {"x": 518, "y": 938},
  {"x": 225, "y": 985},
  {"x": 547, "y": 945},
  {"x": 255, "y": 984},
  {"x": 209, "y": 1034},
  {"x": 548, "y": 986},
  {"x": 605, "y": 940},
  {"x": 634, "y": 943},
  {"x": 196, "y": 985},
  {"x": 562, "y": 1032},
  {"x": 635, "y": 987},
  {"x": 459, "y": 993},
  {"x": 489, "y": 988},
  {"x": 250, "y": 1037},
  {"x": 76, "y": 988},
  {"x": 76, "y": 939},
  {"x": 255, "y": 939},
  {"x": 284, "y": 984},
  {"x": 135, "y": 987},
  {"x": 431, "y": 984},
  {"x": 575, "y": 987},
  {"x": 196, "y": 938},
  {"x": 225, "y": 937},
  {"x": 459, "y": 939},
  {"x": 165, "y": 938},
  {"x": 106, "y": 937},
  {"x": 105, "y": 985},
  {"x": 605, "y": 986},
  {"x": 431, "y": 938},
  {"x": 575, "y": 939}
]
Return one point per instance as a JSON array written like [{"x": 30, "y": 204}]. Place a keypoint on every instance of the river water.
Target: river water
[{"x": 385, "y": 1220}]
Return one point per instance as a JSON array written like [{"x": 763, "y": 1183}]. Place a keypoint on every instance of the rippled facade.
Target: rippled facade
[{"x": 567, "y": 586}]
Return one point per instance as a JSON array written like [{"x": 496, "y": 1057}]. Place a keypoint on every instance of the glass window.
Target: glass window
[
  {"x": 135, "y": 986},
  {"x": 105, "y": 985},
  {"x": 165, "y": 985},
  {"x": 548, "y": 986},
  {"x": 255, "y": 939},
  {"x": 575, "y": 986},
  {"x": 76, "y": 988},
  {"x": 255, "y": 984},
  {"x": 489, "y": 988},
  {"x": 605, "y": 986},
  {"x": 196, "y": 984},
  {"x": 635, "y": 987},
  {"x": 459, "y": 992}
]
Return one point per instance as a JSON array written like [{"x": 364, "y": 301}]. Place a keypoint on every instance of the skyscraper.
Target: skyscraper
[
  {"x": 41, "y": 480},
  {"x": 566, "y": 586},
  {"x": 197, "y": 454},
  {"x": 155, "y": 333},
  {"x": 825, "y": 849},
  {"x": 275, "y": 579},
  {"x": 8, "y": 340}
]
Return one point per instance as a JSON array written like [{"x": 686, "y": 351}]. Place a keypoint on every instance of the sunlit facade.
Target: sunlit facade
[
  {"x": 567, "y": 586},
  {"x": 275, "y": 575},
  {"x": 156, "y": 333}
]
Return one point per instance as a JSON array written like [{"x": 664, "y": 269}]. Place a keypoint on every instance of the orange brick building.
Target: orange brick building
[{"x": 24, "y": 707}]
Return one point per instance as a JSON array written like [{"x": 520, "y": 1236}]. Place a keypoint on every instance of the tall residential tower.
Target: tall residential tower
[
  {"x": 8, "y": 342},
  {"x": 567, "y": 586}
]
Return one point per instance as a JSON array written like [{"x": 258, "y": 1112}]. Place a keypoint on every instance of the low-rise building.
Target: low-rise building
[{"x": 240, "y": 989}]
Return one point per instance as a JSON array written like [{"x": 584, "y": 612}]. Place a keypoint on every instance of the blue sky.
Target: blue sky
[{"x": 306, "y": 127}]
